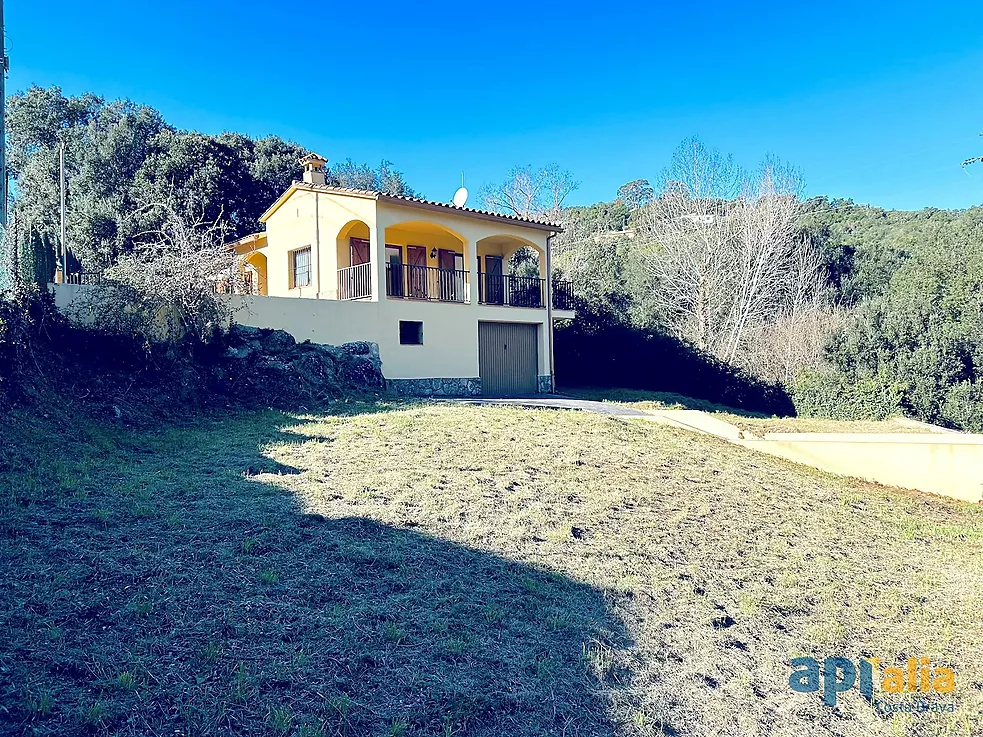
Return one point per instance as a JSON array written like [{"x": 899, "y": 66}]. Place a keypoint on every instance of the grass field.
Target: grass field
[{"x": 402, "y": 569}]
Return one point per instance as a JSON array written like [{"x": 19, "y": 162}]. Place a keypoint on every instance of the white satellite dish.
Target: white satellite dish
[{"x": 460, "y": 197}]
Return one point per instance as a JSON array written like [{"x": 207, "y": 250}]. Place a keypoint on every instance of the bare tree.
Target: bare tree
[
  {"x": 688, "y": 234},
  {"x": 529, "y": 192},
  {"x": 167, "y": 289},
  {"x": 766, "y": 247},
  {"x": 727, "y": 263},
  {"x": 796, "y": 336}
]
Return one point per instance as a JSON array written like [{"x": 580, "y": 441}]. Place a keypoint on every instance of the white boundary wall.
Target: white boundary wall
[{"x": 450, "y": 330}]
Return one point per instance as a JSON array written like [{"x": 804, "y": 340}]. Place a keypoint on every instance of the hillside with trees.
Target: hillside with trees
[
  {"x": 859, "y": 312},
  {"x": 123, "y": 162},
  {"x": 709, "y": 279}
]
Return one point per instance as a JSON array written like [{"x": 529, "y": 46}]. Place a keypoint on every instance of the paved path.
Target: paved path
[{"x": 584, "y": 405}]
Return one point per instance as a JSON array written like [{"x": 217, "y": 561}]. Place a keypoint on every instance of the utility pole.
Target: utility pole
[
  {"x": 4, "y": 65},
  {"x": 64, "y": 244}
]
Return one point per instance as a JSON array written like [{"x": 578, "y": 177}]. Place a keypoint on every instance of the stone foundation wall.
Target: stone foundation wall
[{"x": 470, "y": 387}]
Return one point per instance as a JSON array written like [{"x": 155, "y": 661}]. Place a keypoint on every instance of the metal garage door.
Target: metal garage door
[{"x": 507, "y": 358}]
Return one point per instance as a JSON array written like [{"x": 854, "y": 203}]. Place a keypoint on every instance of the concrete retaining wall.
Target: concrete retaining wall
[{"x": 950, "y": 464}]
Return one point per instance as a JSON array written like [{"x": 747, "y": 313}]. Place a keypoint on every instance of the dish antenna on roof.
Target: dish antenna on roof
[{"x": 461, "y": 196}]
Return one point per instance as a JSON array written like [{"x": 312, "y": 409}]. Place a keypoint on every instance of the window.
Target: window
[
  {"x": 410, "y": 332},
  {"x": 300, "y": 267}
]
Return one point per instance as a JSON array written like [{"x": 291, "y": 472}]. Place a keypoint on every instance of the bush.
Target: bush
[
  {"x": 166, "y": 291},
  {"x": 832, "y": 395},
  {"x": 29, "y": 322},
  {"x": 964, "y": 406}
]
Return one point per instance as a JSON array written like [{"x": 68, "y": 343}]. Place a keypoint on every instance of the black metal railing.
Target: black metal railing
[
  {"x": 522, "y": 291},
  {"x": 562, "y": 294},
  {"x": 511, "y": 291},
  {"x": 84, "y": 277},
  {"x": 427, "y": 282},
  {"x": 355, "y": 282}
]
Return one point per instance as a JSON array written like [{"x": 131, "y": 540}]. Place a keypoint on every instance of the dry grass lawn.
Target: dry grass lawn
[{"x": 404, "y": 569}]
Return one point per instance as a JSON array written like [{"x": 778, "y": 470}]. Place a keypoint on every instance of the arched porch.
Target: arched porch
[
  {"x": 353, "y": 256},
  {"x": 426, "y": 261},
  {"x": 255, "y": 274},
  {"x": 504, "y": 279}
]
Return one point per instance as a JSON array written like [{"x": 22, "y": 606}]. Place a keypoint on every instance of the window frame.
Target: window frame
[
  {"x": 418, "y": 329},
  {"x": 292, "y": 264}
]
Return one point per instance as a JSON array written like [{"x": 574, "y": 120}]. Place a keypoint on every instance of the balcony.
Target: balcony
[
  {"x": 522, "y": 291},
  {"x": 453, "y": 285},
  {"x": 355, "y": 282},
  {"x": 428, "y": 283}
]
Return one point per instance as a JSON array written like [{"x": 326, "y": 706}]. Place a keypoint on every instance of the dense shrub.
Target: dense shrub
[
  {"x": 28, "y": 322},
  {"x": 917, "y": 350},
  {"x": 832, "y": 395},
  {"x": 600, "y": 350}
]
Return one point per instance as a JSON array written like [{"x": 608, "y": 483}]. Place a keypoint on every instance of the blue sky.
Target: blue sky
[{"x": 876, "y": 101}]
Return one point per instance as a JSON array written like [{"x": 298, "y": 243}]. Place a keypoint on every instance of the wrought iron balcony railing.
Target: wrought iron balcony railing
[{"x": 427, "y": 282}]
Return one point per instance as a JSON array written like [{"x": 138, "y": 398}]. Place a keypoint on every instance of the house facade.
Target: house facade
[{"x": 429, "y": 282}]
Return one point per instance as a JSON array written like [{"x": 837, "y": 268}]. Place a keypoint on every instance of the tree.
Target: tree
[
  {"x": 165, "y": 291},
  {"x": 916, "y": 349},
  {"x": 35, "y": 259},
  {"x": 105, "y": 145},
  {"x": 272, "y": 166},
  {"x": 688, "y": 234},
  {"x": 597, "y": 253},
  {"x": 725, "y": 257},
  {"x": 119, "y": 154},
  {"x": 361, "y": 176},
  {"x": 636, "y": 194},
  {"x": 203, "y": 178},
  {"x": 531, "y": 193}
]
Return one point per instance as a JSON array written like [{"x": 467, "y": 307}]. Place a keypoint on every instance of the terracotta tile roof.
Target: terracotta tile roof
[
  {"x": 373, "y": 194},
  {"x": 247, "y": 240}
]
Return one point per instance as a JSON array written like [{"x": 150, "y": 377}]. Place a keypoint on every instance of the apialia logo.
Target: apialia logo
[{"x": 838, "y": 675}]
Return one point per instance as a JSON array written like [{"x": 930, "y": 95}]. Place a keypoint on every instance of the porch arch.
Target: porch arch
[
  {"x": 506, "y": 246},
  {"x": 255, "y": 267},
  {"x": 432, "y": 236},
  {"x": 357, "y": 229}
]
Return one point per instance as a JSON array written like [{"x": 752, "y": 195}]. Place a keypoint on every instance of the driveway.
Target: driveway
[{"x": 584, "y": 405}]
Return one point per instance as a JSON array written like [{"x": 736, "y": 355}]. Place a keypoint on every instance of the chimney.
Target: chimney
[{"x": 313, "y": 168}]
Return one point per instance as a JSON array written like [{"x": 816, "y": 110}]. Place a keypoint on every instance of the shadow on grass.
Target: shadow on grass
[
  {"x": 151, "y": 586},
  {"x": 602, "y": 348}
]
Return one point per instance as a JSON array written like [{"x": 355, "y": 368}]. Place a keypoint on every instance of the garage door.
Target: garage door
[{"x": 507, "y": 358}]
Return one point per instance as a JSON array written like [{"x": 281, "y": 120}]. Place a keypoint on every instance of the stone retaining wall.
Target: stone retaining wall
[{"x": 470, "y": 387}]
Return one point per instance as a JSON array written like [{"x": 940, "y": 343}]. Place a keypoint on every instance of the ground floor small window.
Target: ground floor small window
[{"x": 410, "y": 332}]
